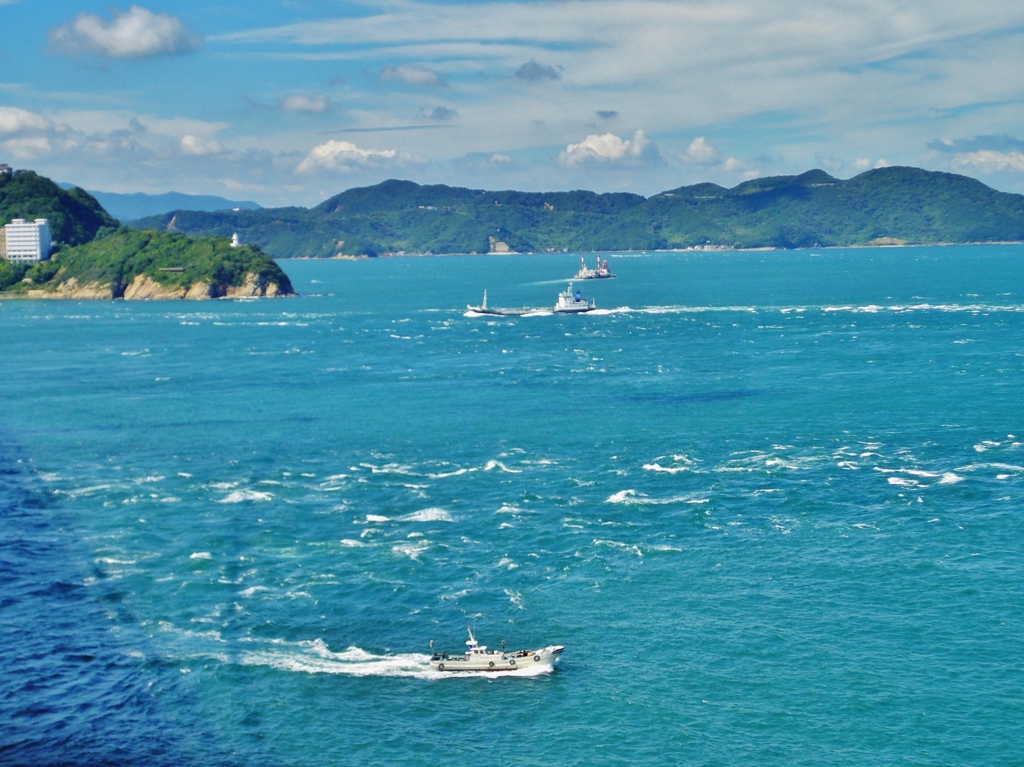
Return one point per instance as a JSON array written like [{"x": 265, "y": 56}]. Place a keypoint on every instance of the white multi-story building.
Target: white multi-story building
[{"x": 28, "y": 241}]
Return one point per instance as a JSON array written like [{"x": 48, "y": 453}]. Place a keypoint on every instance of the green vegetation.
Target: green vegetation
[
  {"x": 887, "y": 205},
  {"x": 11, "y": 274},
  {"x": 75, "y": 216},
  {"x": 173, "y": 260}
]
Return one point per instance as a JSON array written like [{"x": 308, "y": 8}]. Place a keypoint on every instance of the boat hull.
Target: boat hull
[{"x": 502, "y": 312}]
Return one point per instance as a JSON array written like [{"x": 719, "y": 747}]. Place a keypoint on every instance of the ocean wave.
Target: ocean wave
[
  {"x": 631, "y": 497},
  {"x": 391, "y": 468},
  {"x": 377, "y": 518},
  {"x": 411, "y": 550},
  {"x": 925, "y": 307},
  {"x": 446, "y": 474},
  {"x": 429, "y": 515},
  {"x": 696, "y": 309},
  {"x": 666, "y": 469},
  {"x": 630, "y": 547},
  {"x": 492, "y": 464},
  {"x": 243, "y": 496}
]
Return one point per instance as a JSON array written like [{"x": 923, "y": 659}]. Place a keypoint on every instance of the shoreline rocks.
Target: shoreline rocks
[{"x": 145, "y": 288}]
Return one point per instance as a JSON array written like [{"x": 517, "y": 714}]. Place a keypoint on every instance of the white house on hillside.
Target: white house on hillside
[{"x": 28, "y": 241}]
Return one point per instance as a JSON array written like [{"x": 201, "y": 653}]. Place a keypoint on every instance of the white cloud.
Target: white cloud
[
  {"x": 133, "y": 34},
  {"x": 342, "y": 156},
  {"x": 14, "y": 120},
  {"x": 866, "y": 163},
  {"x": 419, "y": 76},
  {"x": 700, "y": 152},
  {"x": 990, "y": 161},
  {"x": 28, "y": 148},
  {"x": 605, "y": 148},
  {"x": 298, "y": 102},
  {"x": 199, "y": 147}
]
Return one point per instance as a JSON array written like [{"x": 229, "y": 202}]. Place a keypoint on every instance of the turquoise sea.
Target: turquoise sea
[{"x": 772, "y": 503}]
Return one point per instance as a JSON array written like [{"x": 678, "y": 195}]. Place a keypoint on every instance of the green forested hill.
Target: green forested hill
[
  {"x": 75, "y": 215},
  {"x": 172, "y": 261},
  {"x": 897, "y": 204}
]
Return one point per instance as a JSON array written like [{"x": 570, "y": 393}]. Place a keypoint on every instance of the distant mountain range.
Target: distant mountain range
[
  {"x": 128, "y": 207},
  {"x": 898, "y": 205}
]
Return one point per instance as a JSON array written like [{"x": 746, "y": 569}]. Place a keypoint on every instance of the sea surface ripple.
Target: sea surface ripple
[{"x": 771, "y": 503}]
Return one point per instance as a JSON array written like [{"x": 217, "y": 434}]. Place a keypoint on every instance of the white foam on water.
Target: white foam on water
[
  {"x": 200, "y": 555},
  {"x": 911, "y": 472},
  {"x": 899, "y": 481},
  {"x": 80, "y": 491},
  {"x": 222, "y": 485},
  {"x": 446, "y": 474},
  {"x": 949, "y": 478},
  {"x": 429, "y": 515},
  {"x": 315, "y": 658},
  {"x": 377, "y": 518},
  {"x": 244, "y": 496},
  {"x": 632, "y": 548},
  {"x": 695, "y": 309},
  {"x": 390, "y": 468},
  {"x": 184, "y": 474},
  {"x": 1004, "y": 466},
  {"x": 112, "y": 561},
  {"x": 411, "y": 550},
  {"x": 665, "y": 469},
  {"x": 492, "y": 465},
  {"x": 350, "y": 543},
  {"x": 335, "y": 477},
  {"x": 633, "y": 498},
  {"x": 507, "y": 508}
]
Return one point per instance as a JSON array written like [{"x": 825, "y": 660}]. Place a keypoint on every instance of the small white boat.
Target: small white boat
[
  {"x": 570, "y": 302},
  {"x": 478, "y": 658}
]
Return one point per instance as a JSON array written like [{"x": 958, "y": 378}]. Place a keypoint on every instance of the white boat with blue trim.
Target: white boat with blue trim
[
  {"x": 478, "y": 658},
  {"x": 572, "y": 302}
]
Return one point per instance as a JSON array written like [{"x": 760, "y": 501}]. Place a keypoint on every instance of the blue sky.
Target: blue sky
[{"x": 291, "y": 101}]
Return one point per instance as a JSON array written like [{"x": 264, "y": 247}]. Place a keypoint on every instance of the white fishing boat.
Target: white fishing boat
[
  {"x": 478, "y": 658},
  {"x": 599, "y": 272},
  {"x": 571, "y": 302}
]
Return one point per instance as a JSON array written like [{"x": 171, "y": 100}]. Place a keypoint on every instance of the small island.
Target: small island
[
  {"x": 93, "y": 258},
  {"x": 148, "y": 265}
]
